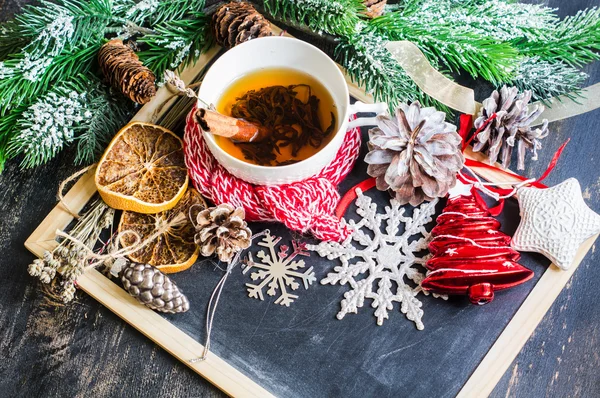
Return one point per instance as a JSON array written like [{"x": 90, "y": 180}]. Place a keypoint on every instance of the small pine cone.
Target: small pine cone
[
  {"x": 123, "y": 69},
  {"x": 153, "y": 288},
  {"x": 417, "y": 154},
  {"x": 375, "y": 8},
  {"x": 511, "y": 125},
  {"x": 222, "y": 229},
  {"x": 237, "y": 22}
]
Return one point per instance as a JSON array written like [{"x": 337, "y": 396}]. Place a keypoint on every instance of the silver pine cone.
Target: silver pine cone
[
  {"x": 222, "y": 230},
  {"x": 511, "y": 126},
  {"x": 416, "y": 154},
  {"x": 153, "y": 288}
]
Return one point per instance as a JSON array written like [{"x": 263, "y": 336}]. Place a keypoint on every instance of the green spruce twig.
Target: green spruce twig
[
  {"x": 338, "y": 17},
  {"x": 176, "y": 43},
  {"x": 575, "y": 41},
  {"x": 371, "y": 65}
]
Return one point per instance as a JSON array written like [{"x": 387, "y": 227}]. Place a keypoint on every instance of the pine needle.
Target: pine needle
[
  {"x": 336, "y": 17},
  {"x": 575, "y": 41},
  {"x": 548, "y": 80},
  {"x": 371, "y": 65},
  {"x": 176, "y": 43},
  {"x": 155, "y": 12},
  {"x": 457, "y": 48}
]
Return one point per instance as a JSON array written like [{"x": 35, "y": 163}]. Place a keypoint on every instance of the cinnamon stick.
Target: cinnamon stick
[{"x": 239, "y": 130}]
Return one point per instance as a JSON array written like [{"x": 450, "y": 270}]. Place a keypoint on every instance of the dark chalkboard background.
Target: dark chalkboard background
[{"x": 305, "y": 351}]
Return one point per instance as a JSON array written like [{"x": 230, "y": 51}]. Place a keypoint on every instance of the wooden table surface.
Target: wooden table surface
[{"x": 85, "y": 350}]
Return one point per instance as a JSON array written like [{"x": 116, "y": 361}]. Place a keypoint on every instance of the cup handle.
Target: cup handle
[{"x": 359, "y": 106}]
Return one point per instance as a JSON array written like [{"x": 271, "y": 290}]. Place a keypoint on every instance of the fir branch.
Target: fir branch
[
  {"x": 548, "y": 79},
  {"x": 337, "y": 17},
  {"x": 503, "y": 20},
  {"x": 176, "y": 43},
  {"x": 451, "y": 45},
  {"x": 48, "y": 28},
  {"x": 155, "y": 12},
  {"x": 80, "y": 109},
  {"x": 49, "y": 124},
  {"x": 8, "y": 128},
  {"x": 574, "y": 41},
  {"x": 11, "y": 41},
  {"x": 110, "y": 113},
  {"x": 24, "y": 78},
  {"x": 371, "y": 65}
]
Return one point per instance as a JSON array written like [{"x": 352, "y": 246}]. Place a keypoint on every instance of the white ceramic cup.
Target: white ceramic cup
[{"x": 282, "y": 52}]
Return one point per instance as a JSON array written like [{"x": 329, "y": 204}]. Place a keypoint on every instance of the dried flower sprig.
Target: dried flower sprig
[{"x": 61, "y": 267}]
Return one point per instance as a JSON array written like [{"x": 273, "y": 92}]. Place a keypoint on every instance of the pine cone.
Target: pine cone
[
  {"x": 153, "y": 288},
  {"x": 222, "y": 229},
  {"x": 417, "y": 155},
  {"x": 124, "y": 71},
  {"x": 512, "y": 124},
  {"x": 375, "y": 8},
  {"x": 237, "y": 22}
]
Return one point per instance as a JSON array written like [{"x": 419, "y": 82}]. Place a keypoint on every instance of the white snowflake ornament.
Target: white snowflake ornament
[
  {"x": 380, "y": 264},
  {"x": 278, "y": 271},
  {"x": 555, "y": 222}
]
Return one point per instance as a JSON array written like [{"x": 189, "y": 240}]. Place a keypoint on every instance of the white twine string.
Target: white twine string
[
  {"x": 214, "y": 300},
  {"x": 482, "y": 186},
  {"x": 134, "y": 247},
  {"x": 466, "y": 271},
  {"x": 61, "y": 189},
  {"x": 457, "y": 213},
  {"x": 471, "y": 241}
]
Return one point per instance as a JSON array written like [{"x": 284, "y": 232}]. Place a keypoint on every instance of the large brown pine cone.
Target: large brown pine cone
[
  {"x": 416, "y": 154},
  {"x": 237, "y": 22},
  {"x": 124, "y": 71},
  {"x": 510, "y": 126},
  {"x": 153, "y": 288},
  {"x": 222, "y": 229}
]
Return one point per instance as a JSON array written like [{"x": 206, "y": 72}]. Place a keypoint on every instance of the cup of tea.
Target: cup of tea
[{"x": 281, "y": 61}]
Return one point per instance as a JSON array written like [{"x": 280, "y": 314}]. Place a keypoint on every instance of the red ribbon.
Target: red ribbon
[
  {"x": 350, "y": 196},
  {"x": 466, "y": 125},
  {"x": 466, "y": 122}
]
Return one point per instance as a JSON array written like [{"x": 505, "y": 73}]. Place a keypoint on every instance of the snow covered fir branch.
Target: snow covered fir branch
[
  {"x": 48, "y": 55},
  {"x": 53, "y": 46},
  {"x": 336, "y": 17},
  {"x": 503, "y": 42}
]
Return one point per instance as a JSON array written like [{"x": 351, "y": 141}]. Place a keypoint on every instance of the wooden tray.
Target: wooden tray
[{"x": 221, "y": 373}]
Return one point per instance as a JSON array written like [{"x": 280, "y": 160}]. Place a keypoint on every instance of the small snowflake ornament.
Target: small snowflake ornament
[
  {"x": 379, "y": 264},
  {"x": 278, "y": 270},
  {"x": 555, "y": 222}
]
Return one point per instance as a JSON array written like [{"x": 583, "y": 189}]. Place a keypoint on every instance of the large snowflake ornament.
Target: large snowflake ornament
[
  {"x": 278, "y": 270},
  {"x": 380, "y": 264}
]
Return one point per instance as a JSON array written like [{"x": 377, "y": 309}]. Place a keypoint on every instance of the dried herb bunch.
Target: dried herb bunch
[
  {"x": 60, "y": 268},
  {"x": 293, "y": 122}
]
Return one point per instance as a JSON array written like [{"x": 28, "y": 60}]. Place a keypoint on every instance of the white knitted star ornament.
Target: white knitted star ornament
[{"x": 555, "y": 222}]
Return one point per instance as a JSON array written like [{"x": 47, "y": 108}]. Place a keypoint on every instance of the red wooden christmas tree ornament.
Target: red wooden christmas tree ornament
[{"x": 470, "y": 255}]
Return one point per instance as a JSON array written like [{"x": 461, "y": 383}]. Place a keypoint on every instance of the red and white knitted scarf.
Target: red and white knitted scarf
[{"x": 305, "y": 206}]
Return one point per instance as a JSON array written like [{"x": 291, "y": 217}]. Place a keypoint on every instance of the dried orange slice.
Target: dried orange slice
[
  {"x": 173, "y": 250},
  {"x": 142, "y": 170}
]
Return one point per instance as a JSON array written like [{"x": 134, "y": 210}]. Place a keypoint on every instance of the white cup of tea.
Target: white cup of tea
[{"x": 282, "y": 52}]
